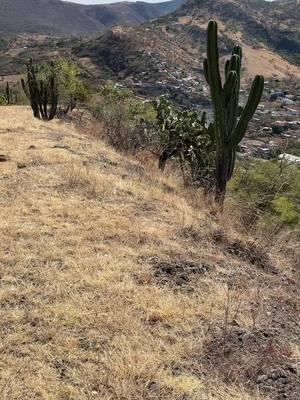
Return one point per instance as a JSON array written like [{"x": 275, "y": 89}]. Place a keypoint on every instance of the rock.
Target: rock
[
  {"x": 277, "y": 374},
  {"x": 32, "y": 147},
  {"x": 61, "y": 146},
  {"x": 292, "y": 369},
  {"x": 3, "y": 158},
  {"x": 262, "y": 378},
  {"x": 21, "y": 165}
]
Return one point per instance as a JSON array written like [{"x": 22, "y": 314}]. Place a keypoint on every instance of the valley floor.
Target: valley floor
[{"x": 116, "y": 284}]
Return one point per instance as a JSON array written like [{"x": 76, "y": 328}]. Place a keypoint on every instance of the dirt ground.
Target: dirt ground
[{"x": 116, "y": 283}]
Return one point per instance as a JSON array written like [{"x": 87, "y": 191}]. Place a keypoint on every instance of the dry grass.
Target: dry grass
[{"x": 83, "y": 314}]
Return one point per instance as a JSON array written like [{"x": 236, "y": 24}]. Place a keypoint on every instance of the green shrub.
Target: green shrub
[
  {"x": 2, "y": 101},
  {"x": 285, "y": 211},
  {"x": 269, "y": 193},
  {"x": 71, "y": 90},
  {"x": 185, "y": 137},
  {"x": 127, "y": 122},
  {"x": 293, "y": 148}
]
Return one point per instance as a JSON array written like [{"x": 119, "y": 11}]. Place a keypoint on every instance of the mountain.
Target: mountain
[
  {"x": 169, "y": 51},
  {"x": 56, "y": 17}
]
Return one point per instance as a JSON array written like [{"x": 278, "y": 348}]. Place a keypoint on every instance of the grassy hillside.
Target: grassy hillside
[{"x": 116, "y": 284}]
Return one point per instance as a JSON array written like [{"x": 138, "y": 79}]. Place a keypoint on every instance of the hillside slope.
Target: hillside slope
[
  {"x": 62, "y": 18},
  {"x": 116, "y": 284},
  {"x": 268, "y": 32}
]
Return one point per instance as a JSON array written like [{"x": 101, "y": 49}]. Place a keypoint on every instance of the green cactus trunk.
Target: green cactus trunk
[
  {"x": 230, "y": 119},
  {"x": 222, "y": 166},
  {"x": 8, "y": 94}
]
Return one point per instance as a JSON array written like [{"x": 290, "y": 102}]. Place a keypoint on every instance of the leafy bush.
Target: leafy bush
[
  {"x": 2, "y": 101},
  {"x": 269, "y": 193},
  {"x": 185, "y": 137},
  {"x": 71, "y": 89},
  {"x": 285, "y": 211},
  {"x": 127, "y": 122},
  {"x": 9, "y": 95},
  {"x": 293, "y": 148}
]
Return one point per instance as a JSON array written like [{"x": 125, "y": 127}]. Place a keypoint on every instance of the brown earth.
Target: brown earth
[{"x": 115, "y": 282}]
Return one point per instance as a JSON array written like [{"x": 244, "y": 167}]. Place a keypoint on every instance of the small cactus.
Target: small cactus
[{"x": 8, "y": 94}]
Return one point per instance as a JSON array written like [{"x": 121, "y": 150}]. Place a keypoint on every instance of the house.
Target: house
[
  {"x": 286, "y": 102},
  {"x": 289, "y": 158}
]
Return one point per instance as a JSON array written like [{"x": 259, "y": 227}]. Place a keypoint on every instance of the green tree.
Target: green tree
[{"x": 71, "y": 90}]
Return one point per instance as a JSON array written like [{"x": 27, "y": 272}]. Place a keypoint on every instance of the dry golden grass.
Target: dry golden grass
[{"x": 83, "y": 315}]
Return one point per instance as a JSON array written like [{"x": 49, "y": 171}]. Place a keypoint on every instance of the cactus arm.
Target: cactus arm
[
  {"x": 238, "y": 51},
  {"x": 249, "y": 110},
  {"x": 234, "y": 63},
  {"x": 232, "y": 109},
  {"x": 213, "y": 57},
  {"x": 215, "y": 82},
  {"x": 229, "y": 86},
  {"x": 205, "y": 69},
  {"x": 227, "y": 63}
]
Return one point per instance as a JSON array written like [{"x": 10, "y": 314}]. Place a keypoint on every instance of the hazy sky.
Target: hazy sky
[
  {"x": 108, "y": 1},
  {"x": 111, "y": 1}
]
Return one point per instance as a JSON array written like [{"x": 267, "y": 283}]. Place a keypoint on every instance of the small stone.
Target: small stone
[
  {"x": 292, "y": 369},
  {"x": 3, "y": 158},
  {"x": 277, "y": 374},
  {"x": 21, "y": 165},
  {"x": 154, "y": 318},
  {"x": 262, "y": 378}
]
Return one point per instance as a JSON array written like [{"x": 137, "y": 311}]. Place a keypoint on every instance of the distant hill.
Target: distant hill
[
  {"x": 268, "y": 32},
  {"x": 165, "y": 56},
  {"x": 55, "y": 17}
]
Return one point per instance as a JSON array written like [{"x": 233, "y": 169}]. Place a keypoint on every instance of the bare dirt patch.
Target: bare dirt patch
[
  {"x": 247, "y": 251},
  {"x": 258, "y": 359},
  {"x": 179, "y": 273}
]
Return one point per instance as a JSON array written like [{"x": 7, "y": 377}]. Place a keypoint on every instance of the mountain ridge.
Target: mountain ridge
[
  {"x": 59, "y": 18},
  {"x": 180, "y": 38}
]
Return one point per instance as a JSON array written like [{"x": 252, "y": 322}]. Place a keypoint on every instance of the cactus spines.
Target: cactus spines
[
  {"x": 230, "y": 119},
  {"x": 43, "y": 93}
]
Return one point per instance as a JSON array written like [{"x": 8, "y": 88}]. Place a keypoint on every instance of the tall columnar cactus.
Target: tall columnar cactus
[
  {"x": 43, "y": 93},
  {"x": 230, "y": 119},
  {"x": 8, "y": 94}
]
